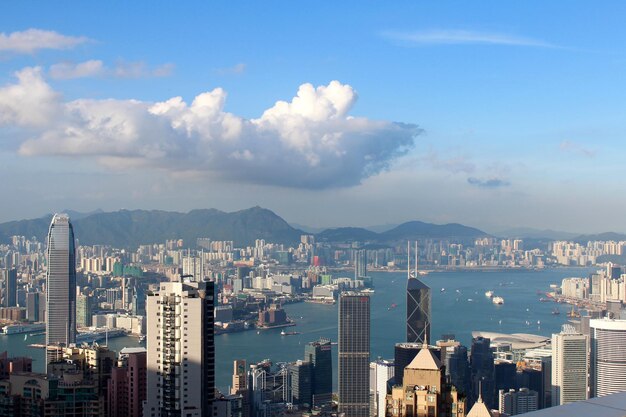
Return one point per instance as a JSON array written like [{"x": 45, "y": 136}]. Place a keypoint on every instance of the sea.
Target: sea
[{"x": 459, "y": 306}]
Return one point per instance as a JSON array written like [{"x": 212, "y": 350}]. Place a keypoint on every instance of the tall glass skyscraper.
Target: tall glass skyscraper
[
  {"x": 417, "y": 311},
  {"x": 354, "y": 355},
  {"x": 319, "y": 354},
  {"x": 61, "y": 283}
]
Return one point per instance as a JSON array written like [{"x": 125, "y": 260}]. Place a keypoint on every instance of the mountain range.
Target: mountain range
[{"x": 130, "y": 228}]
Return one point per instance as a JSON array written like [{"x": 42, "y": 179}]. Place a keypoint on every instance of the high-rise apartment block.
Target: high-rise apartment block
[
  {"x": 360, "y": 264},
  {"x": 569, "y": 366},
  {"x": 354, "y": 354},
  {"x": 127, "y": 386},
  {"x": 61, "y": 283},
  {"x": 181, "y": 350}
]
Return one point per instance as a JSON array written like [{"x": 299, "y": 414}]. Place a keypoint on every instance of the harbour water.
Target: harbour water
[{"x": 452, "y": 312}]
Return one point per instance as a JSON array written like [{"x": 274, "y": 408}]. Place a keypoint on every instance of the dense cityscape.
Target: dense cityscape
[
  {"x": 312, "y": 209},
  {"x": 175, "y": 298}
]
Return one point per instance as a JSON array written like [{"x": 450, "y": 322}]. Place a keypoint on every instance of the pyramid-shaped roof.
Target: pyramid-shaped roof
[
  {"x": 425, "y": 359},
  {"x": 479, "y": 410}
]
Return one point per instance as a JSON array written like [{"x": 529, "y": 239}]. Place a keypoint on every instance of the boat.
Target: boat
[
  {"x": 470, "y": 299},
  {"x": 443, "y": 290},
  {"x": 24, "y": 328},
  {"x": 368, "y": 291},
  {"x": 573, "y": 313},
  {"x": 284, "y": 333},
  {"x": 556, "y": 312},
  {"x": 392, "y": 306},
  {"x": 538, "y": 322},
  {"x": 497, "y": 300}
]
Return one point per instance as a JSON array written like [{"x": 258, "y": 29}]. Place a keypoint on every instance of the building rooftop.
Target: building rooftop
[
  {"x": 613, "y": 405},
  {"x": 416, "y": 284},
  {"x": 425, "y": 359},
  {"x": 479, "y": 409},
  {"x": 517, "y": 340}
]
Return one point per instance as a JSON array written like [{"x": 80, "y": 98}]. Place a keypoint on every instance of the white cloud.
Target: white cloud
[
  {"x": 236, "y": 69},
  {"x": 460, "y": 37},
  {"x": 573, "y": 147},
  {"x": 310, "y": 141},
  {"x": 96, "y": 68},
  {"x": 32, "y": 40},
  {"x": 68, "y": 70},
  {"x": 31, "y": 102}
]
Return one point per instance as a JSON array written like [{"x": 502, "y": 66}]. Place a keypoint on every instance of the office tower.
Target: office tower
[
  {"x": 300, "y": 375},
  {"x": 240, "y": 385},
  {"x": 424, "y": 391},
  {"x": 239, "y": 376},
  {"x": 459, "y": 371},
  {"x": 83, "y": 310},
  {"x": 381, "y": 381},
  {"x": 35, "y": 306},
  {"x": 127, "y": 386},
  {"x": 569, "y": 366},
  {"x": 360, "y": 264},
  {"x": 505, "y": 375},
  {"x": 404, "y": 353},
  {"x": 608, "y": 356},
  {"x": 517, "y": 402},
  {"x": 481, "y": 362},
  {"x": 181, "y": 350},
  {"x": 354, "y": 354},
  {"x": 536, "y": 374},
  {"x": 417, "y": 304},
  {"x": 9, "y": 287},
  {"x": 61, "y": 283},
  {"x": 319, "y": 354}
]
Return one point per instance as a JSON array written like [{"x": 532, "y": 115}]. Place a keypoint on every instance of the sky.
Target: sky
[{"x": 491, "y": 114}]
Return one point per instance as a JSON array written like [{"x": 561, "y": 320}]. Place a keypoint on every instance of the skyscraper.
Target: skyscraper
[
  {"x": 417, "y": 304},
  {"x": 569, "y": 366},
  {"x": 354, "y": 354},
  {"x": 360, "y": 264},
  {"x": 381, "y": 381},
  {"x": 181, "y": 350},
  {"x": 608, "y": 356},
  {"x": 424, "y": 390},
  {"x": 9, "y": 287},
  {"x": 482, "y": 366},
  {"x": 319, "y": 354},
  {"x": 61, "y": 283}
]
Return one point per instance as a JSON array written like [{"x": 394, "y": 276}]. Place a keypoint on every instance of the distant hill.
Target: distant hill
[
  {"x": 347, "y": 234},
  {"x": 405, "y": 231},
  {"x": 530, "y": 233},
  {"x": 130, "y": 228},
  {"x": 416, "y": 229},
  {"x": 600, "y": 236}
]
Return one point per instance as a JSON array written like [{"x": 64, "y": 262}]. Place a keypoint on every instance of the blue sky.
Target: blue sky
[{"x": 520, "y": 105}]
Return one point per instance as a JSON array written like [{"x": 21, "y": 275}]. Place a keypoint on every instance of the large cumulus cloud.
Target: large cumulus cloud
[{"x": 310, "y": 141}]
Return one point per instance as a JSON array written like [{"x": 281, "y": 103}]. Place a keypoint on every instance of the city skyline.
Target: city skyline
[{"x": 445, "y": 114}]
